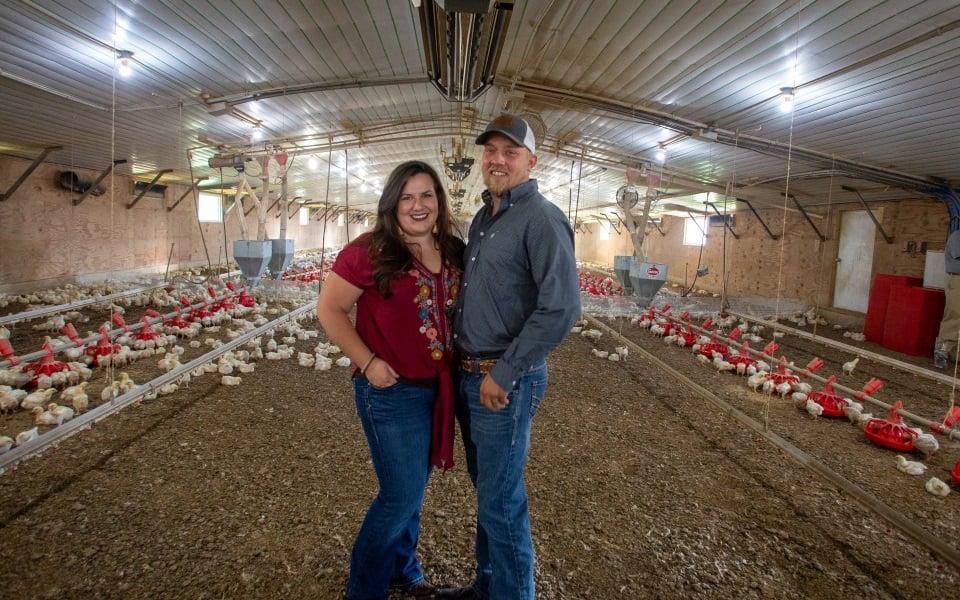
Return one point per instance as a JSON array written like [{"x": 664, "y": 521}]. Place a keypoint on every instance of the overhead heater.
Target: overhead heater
[{"x": 462, "y": 41}]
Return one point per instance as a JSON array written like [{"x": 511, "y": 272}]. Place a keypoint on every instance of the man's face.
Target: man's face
[{"x": 505, "y": 165}]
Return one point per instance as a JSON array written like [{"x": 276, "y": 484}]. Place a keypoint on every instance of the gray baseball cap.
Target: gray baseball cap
[{"x": 514, "y": 128}]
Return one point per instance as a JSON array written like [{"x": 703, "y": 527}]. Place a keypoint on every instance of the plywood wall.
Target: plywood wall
[
  {"x": 45, "y": 240},
  {"x": 796, "y": 265}
]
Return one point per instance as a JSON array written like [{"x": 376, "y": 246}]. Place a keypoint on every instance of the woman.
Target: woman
[{"x": 404, "y": 278}]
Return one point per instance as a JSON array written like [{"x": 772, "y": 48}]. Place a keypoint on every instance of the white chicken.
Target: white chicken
[
  {"x": 37, "y": 398},
  {"x": 849, "y": 366},
  {"x": 910, "y": 467},
  {"x": 110, "y": 392},
  {"x": 27, "y": 436},
  {"x": 61, "y": 414},
  {"x": 937, "y": 487},
  {"x": 622, "y": 351},
  {"x": 228, "y": 380},
  {"x": 813, "y": 408},
  {"x": 593, "y": 334},
  {"x": 927, "y": 444},
  {"x": 6, "y": 442},
  {"x": 10, "y": 400},
  {"x": 597, "y": 353}
]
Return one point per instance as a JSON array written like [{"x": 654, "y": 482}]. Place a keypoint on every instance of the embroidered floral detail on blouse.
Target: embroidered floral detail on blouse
[{"x": 439, "y": 339}]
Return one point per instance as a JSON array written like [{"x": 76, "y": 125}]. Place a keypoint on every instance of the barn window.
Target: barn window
[
  {"x": 604, "y": 231},
  {"x": 210, "y": 208},
  {"x": 694, "y": 231}
]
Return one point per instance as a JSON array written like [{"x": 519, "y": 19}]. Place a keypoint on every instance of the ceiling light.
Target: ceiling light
[
  {"x": 126, "y": 60},
  {"x": 661, "y": 154},
  {"x": 313, "y": 163},
  {"x": 786, "y": 99},
  {"x": 256, "y": 133}
]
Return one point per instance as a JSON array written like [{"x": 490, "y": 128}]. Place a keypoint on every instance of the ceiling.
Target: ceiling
[{"x": 603, "y": 82}]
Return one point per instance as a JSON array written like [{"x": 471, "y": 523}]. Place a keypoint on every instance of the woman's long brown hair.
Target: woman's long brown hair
[{"x": 389, "y": 254}]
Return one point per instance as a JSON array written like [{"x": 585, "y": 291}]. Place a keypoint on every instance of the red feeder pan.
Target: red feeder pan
[
  {"x": 891, "y": 432},
  {"x": 146, "y": 332},
  {"x": 46, "y": 365},
  {"x": 103, "y": 347},
  {"x": 832, "y": 404},
  {"x": 956, "y": 472}
]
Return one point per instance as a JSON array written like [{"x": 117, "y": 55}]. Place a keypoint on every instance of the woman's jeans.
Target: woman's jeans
[
  {"x": 496, "y": 446},
  {"x": 397, "y": 422}
]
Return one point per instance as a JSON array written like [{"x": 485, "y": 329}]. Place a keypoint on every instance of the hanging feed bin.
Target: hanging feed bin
[
  {"x": 621, "y": 268},
  {"x": 891, "y": 432},
  {"x": 646, "y": 279},
  {"x": 252, "y": 257}
]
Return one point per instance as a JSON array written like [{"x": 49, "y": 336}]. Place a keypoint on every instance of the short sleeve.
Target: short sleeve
[{"x": 353, "y": 264}]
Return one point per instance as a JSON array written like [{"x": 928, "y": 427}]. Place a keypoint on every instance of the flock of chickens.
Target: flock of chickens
[
  {"x": 783, "y": 380},
  {"x": 53, "y": 392}
]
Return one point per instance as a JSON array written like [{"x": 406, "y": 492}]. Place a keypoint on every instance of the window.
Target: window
[
  {"x": 304, "y": 213},
  {"x": 694, "y": 231},
  {"x": 604, "y": 231},
  {"x": 210, "y": 208}
]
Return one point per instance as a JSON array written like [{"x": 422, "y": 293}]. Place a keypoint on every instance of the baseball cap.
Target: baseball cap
[{"x": 514, "y": 128}]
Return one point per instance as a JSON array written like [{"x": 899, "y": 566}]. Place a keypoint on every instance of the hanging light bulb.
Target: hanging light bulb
[
  {"x": 126, "y": 60},
  {"x": 786, "y": 99},
  {"x": 661, "y": 154},
  {"x": 256, "y": 134}
]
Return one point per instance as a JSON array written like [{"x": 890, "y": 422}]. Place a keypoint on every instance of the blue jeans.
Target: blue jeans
[
  {"x": 397, "y": 422},
  {"x": 496, "y": 446}
]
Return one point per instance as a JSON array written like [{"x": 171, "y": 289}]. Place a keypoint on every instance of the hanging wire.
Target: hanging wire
[
  {"x": 323, "y": 236},
  {"x": 786, "y": 191},
  {"x": 820, "y": 279}
]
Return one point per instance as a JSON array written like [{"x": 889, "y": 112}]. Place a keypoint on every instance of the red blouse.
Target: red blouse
[{"x": 413, "y": 329}]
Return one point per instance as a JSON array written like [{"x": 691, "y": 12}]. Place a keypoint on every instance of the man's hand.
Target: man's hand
[{"x": 492, "y": 395}]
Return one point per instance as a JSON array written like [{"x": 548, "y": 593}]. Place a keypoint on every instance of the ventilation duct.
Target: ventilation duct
[{"x": 462, "y": 41}]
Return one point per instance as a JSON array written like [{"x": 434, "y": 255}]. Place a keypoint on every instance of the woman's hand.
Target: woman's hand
[{"x": 380, "y": 374}]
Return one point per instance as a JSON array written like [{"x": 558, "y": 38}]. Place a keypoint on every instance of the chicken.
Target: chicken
[
  {"x": 228, "y": 380},
  {"x": 614, "y": 357},
  {"x": 936, "y": 487},
  {"x": 799, "y": 400},
  {"x": 849, "y": 366},
  {"x": 6, "y": 442},
  {"x": 110, "y": 392},
  {"x": 10, "y": 400},
  {"x": 27, "y": 436},
  {"x": 927, "y": 444},
  {"x": 597, "y": 353},
  {"x": 343, "y": 361},
  {"x": 910, "y": 467},
  {"x": 322, "y": 363},
  {"x": 755, "y": 380},
  {"x": 80, "y": 401},
  {"x": 37, "y": 398},
  {"x": 813, "y": 408},
  {"x": 622, "y": 351},
  {"x": 126, "y": 383},
  {"x": 783, "y": 388},
  {"x": 63, "y": 413},
  {"x": 852, "y": 413}
]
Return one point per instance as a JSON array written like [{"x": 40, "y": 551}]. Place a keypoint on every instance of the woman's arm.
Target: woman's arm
[{"x": 337, "y": 298}]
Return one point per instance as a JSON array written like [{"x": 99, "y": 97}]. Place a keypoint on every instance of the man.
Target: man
[
  {"x": 520, "y": 296},
  {"x": 950, "y": 324}
]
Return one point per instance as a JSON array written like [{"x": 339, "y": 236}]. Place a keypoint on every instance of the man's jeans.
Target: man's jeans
[
  {"x": 496, "y": 446},
  {"x": 397, "y": 422}
]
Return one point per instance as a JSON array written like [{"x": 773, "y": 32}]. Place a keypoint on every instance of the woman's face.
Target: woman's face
[{"x": 417, "y": 208}]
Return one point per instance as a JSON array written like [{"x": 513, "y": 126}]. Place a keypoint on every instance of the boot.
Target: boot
[{"x": 941, "y": 354}]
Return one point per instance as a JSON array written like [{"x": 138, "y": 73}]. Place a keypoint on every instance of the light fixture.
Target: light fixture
[
  {"x": 256, "y": 133},
  {"x": 661, "y": 154},
  {"x": 126, "y": 59},
  {"x": 786, "y": 99},
  {"x": 340, "y": 220},
  {"x": 313, "y": 163}
]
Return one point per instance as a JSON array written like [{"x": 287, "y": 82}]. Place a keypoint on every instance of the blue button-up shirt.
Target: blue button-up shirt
[{"x": 520, "y": 292}]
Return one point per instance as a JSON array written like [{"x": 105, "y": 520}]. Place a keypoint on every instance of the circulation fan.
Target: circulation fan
[{"x": 627, "y": 197}]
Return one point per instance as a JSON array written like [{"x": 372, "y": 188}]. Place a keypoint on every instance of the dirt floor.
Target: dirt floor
[{"x": 639, "y": 487}]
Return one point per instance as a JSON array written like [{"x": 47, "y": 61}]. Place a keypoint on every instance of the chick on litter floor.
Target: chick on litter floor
[
  {"x": 910, "y": 467},
  {"x": 937, "y": 487}
]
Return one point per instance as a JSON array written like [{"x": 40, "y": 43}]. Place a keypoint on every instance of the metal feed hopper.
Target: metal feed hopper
[
  {"x": 281, "y": 255},
  {"x": 647, "y": 278},
  {"x": 621, "y": 267},
  {"x": 252, "y": 258}
]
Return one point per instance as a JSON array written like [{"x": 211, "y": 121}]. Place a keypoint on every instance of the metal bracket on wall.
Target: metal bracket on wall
[
  {"x": 889, "y": 239},
  {"x": 724, "y": 219},
  {"x": 36, "y": 163},
  {"x": 192, "y": 187},
  {"x": 754, "y": 211},
  {"x": 613, "y": 224},
  {"x": 657, "y": 225},
  {"x": 822, "y": 237},
  {"x": 93, "y": 186},
  {"x": 150, "y": 185}
]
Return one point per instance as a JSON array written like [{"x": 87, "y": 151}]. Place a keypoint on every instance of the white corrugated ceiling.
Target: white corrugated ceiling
[{"x": 876, "y": 86}]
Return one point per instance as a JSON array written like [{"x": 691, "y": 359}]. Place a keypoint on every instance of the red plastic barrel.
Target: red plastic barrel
[
  {"x": 913, "y": 319},
  {"x": 877, "y": 305}
]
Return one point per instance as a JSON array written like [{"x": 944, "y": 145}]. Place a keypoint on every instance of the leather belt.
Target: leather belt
[{"x": 480, "y": 366}]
